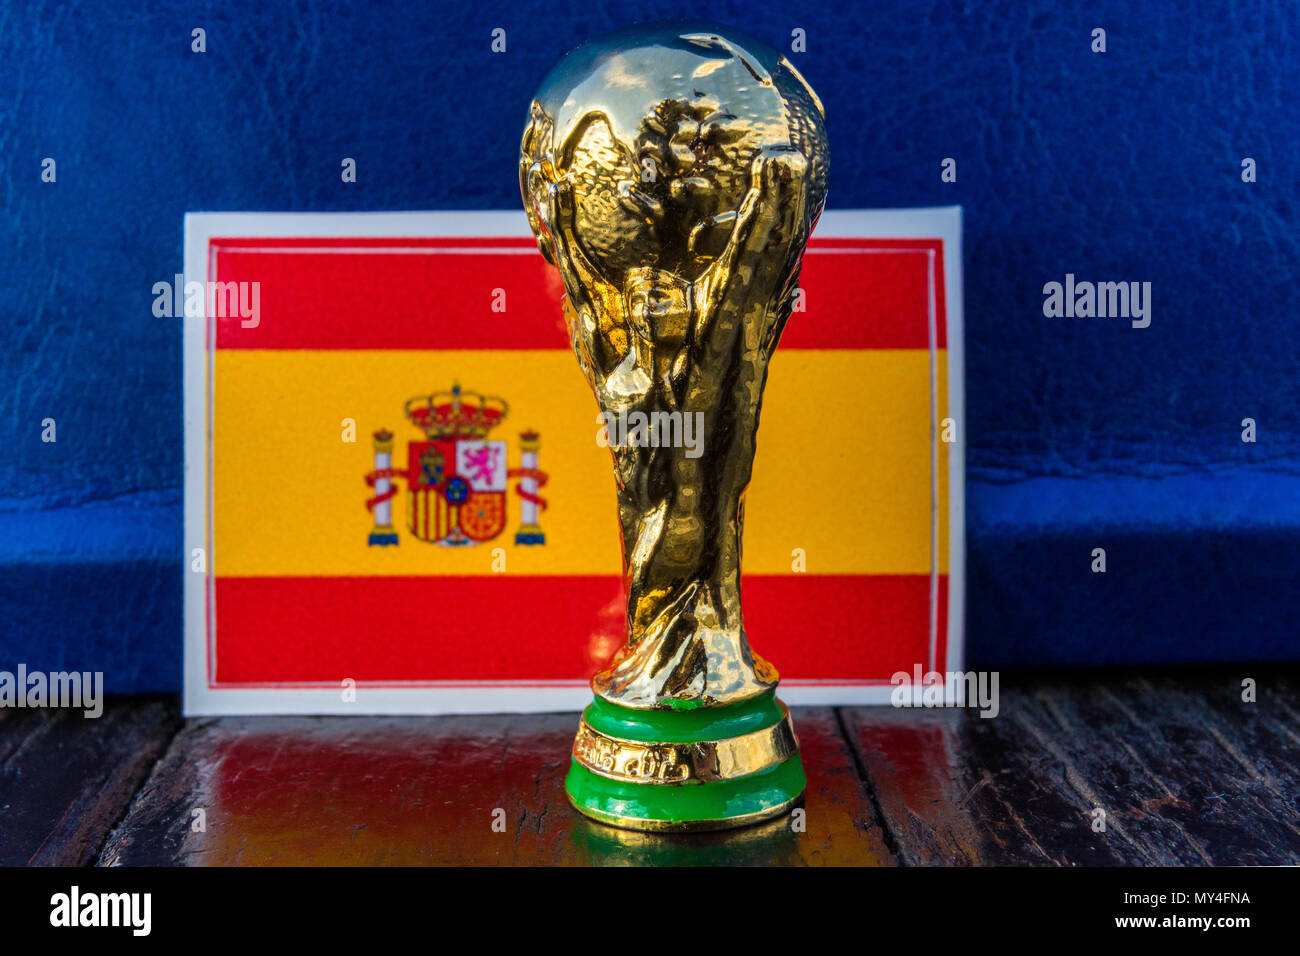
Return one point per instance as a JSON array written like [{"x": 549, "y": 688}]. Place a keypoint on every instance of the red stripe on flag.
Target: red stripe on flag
[
  {"x": 869, "y": 294},
  {"x": 545, "y": 628},
  {"x": 340, "y": 293},
  {"x": 941, "y": 640}
]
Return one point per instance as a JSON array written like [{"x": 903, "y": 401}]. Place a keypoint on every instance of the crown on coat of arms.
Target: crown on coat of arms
[{"x": 456, "y": 414}]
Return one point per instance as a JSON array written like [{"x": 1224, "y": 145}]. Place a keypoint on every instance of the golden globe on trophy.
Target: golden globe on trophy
[{"x": 673, "y": 174}]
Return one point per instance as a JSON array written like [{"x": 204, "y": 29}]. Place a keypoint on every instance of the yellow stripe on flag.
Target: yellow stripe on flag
[{"x": 843, "y": 470}]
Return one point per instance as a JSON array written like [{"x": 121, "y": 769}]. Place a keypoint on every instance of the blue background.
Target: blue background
[{"x": 1081, "y": 433}]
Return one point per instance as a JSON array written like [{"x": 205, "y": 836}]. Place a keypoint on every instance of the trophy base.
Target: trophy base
[{"x": 685, "y": 770}]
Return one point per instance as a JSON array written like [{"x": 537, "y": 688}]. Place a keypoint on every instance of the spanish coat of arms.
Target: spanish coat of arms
[{"x": 457, "y": 477}]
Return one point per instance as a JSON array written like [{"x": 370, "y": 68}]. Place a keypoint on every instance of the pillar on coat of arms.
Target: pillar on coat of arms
[
  {"x": 530, "y": 531},
  {"x": 381, "y": 504}
]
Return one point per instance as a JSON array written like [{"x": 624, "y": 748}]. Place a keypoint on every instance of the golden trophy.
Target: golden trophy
[{"x": 673, "y": 174}]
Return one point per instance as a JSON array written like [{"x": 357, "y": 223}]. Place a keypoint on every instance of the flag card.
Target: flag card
[{"x": 399, "y": 498}]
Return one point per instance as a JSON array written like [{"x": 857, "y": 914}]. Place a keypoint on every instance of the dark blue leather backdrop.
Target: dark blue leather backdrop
[{"x": 1081, "y": 433}]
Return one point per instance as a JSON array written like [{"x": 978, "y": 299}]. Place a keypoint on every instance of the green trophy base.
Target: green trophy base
[{"x": 686, "y": 769}]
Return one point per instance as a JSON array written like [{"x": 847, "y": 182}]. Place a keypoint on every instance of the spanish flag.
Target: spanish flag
[{"x": 397, "y": 485}]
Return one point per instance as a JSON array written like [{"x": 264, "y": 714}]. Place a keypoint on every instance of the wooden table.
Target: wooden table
[{"x": 1184, "y": 770}]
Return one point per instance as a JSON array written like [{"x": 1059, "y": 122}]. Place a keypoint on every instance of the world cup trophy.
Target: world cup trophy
[{"x": 673, "y": 174}]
